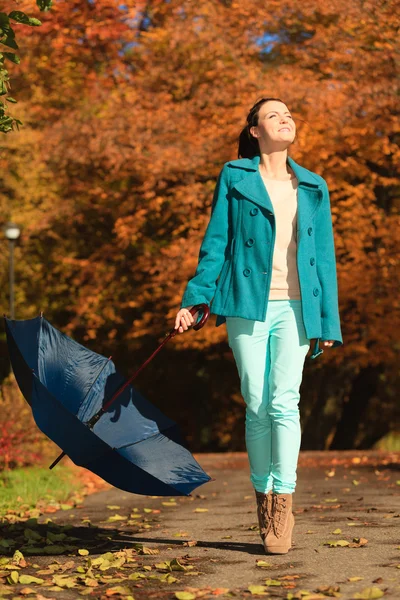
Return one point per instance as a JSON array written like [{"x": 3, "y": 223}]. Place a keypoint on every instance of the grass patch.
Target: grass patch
[{"x": 31, "y": 485}]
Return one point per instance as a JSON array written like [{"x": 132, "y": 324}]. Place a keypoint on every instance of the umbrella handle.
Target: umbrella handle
[{"x": 205, "y": 310}]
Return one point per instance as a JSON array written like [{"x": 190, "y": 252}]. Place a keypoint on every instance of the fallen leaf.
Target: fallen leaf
[
  {"x": 339, "y": 543},
  {"x": 83, "y": 552},
  {"x": 258, "y": 589},
  {"x": 118, "y": 589},
  {"x": 370, "y": 593},
  {"x": 27, "y": 579},
  {"x": 13, "y": 577},
  {"x": 185, "y": 596},
  {"x": 263, "y": 564},
  {"x": 272, "y": 582},
  {"x": 190, "y": 543}
]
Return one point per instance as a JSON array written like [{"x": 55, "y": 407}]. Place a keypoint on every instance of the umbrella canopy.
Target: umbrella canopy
[{"x": 132, "y": 445}]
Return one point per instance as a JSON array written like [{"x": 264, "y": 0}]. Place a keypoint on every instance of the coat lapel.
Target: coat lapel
[{"x": 251, "y": 186}]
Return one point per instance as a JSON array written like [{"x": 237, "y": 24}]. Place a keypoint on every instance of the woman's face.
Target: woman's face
[{"x": 275, "y": 125}]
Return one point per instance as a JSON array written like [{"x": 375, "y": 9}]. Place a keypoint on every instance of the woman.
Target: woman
[{"x": 267, "y": 268}]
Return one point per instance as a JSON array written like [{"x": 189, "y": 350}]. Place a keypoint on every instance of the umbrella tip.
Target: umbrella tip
[{"x": 41, "y": 314}]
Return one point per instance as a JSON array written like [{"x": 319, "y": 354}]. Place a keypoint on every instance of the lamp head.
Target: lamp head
[{"x": 12, "y": 231}]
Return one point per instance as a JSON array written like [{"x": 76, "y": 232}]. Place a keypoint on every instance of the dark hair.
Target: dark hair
[{"x": 248, "y": 144}]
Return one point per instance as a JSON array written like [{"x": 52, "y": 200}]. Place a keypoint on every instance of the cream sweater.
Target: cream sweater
[{"x": 285, "y": 280}]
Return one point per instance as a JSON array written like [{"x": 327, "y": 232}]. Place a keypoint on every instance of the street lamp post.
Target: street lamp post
[{"x": 12, "y": 233}]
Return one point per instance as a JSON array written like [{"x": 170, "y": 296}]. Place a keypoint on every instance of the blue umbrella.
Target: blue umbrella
[{"x": 99, "y": 419}]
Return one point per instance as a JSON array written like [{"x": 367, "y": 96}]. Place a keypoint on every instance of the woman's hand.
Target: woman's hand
[{"x": 184, "y": 319}]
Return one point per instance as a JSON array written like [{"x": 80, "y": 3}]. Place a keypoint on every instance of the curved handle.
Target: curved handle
[{"x": 205, "y": 310}]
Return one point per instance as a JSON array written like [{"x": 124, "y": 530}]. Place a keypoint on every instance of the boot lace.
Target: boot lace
[
  {"x": 264, "y": 508},
  {"x": 280, "y": 515}
]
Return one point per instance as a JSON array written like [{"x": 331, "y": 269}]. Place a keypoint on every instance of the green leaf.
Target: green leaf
[
  {"x": 20, "y": 17},
  {"x": 369, "y": 594},
  {"x": 44, "y": 5},
  {"x": 31, "y": 534},
  {"x": 4, "y": 20},
  {"x": 27, "y": 579},
  {"x": 9, "y": 40},
  {"x": 56, "y": 537},
  {"x": 13, "y": 57},
  {"x": 55, "y": 549}
]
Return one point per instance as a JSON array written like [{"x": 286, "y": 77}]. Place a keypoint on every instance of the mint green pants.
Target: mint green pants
[{"x": 270, "y": 357}]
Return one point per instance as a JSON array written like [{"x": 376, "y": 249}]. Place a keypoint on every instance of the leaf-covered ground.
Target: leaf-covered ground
[{"x": 113, "y": 544}]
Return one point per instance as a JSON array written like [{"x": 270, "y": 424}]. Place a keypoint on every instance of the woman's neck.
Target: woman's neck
[{"x": 274, "y": 165}]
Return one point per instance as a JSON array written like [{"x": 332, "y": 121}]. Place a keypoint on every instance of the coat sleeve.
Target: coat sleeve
[
  {"x": 326, "y": 271},
  {"x": 201, "y": 288}
]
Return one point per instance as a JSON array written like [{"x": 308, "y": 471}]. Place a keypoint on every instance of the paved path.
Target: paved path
[{"x": 360, "y": 497}]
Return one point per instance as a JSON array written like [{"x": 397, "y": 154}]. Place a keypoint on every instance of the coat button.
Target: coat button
[
  {"x": 253, "y": 212},
  {"x": 309, "y": 230},
  {"x": 312, "y": 261},
  {"x": 246, "y": 272},
  {"x": 249, "y": 242},
  {"x": 316, "y": 292}
]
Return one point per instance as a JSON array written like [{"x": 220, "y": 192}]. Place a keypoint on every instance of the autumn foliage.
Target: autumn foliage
[{"x": 129, "y": 112}]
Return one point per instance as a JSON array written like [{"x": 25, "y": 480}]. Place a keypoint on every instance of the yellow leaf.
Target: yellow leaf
[
  {"x": 370, "y": 593},
  {"x": 273, "y": 582},
  {"x": 258, "y": 589},
  {"x": 27, "y": 579},
  {"x": 185, "y": 596},
  {"x": 263, "y": 564},
  {"x": 83, "y": 552},
  {"x": 13, "y": 577},
  {"x": 200, "y": 510}
]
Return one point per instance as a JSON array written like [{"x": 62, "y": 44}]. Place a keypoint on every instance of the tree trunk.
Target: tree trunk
[{"x": 363, "y": 388}]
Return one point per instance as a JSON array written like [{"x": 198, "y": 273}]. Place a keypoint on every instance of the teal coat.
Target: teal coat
[{"x": 234, "y": 268}]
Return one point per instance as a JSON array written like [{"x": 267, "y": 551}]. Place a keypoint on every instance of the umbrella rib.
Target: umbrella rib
[
  {"x": 60, "y": 456},
  {"x": 147, "y": 438}
]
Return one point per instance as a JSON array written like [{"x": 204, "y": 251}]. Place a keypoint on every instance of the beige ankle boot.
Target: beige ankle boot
[
  {"x": 264, "y": 513},
  {"x": 279, "y": 538}
]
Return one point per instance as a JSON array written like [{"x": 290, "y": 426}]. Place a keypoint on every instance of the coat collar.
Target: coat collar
[
  {"x": 303, "y": 175},
  {"x": 251, "y": 186}
]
